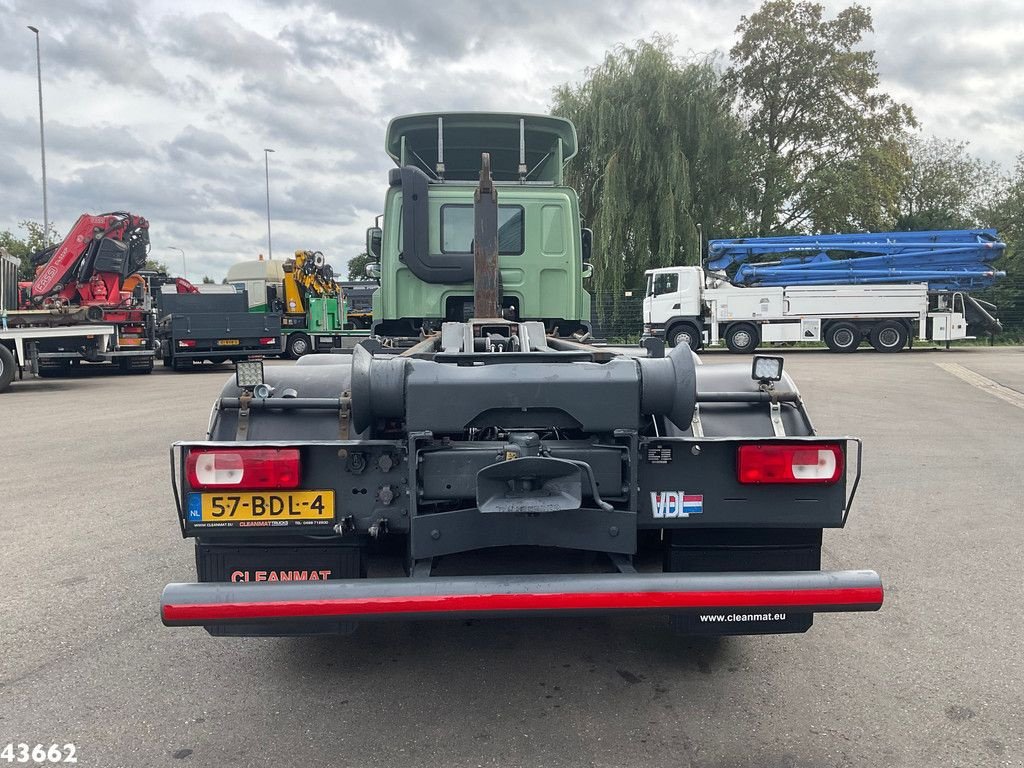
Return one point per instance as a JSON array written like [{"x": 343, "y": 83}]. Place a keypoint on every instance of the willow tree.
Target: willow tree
[{"x": 659, "y": 155}]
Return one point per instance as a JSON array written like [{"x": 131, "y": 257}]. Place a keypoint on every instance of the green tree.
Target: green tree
[
  {"x": 23, "y": 248},
  {"x": 156, "y": 266},
  {"x": 1006, "y": 214},
  {"x": 861, "y": 193},
  {"x": 944, "y": 186},
  {"x": 659, "y": 154},
  {"x": 813, "y": 114},
  {"x": 357, "y": 266},
  {"x": 207, "y": 280}
]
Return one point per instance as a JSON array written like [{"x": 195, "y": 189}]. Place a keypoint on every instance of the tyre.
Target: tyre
[
  {"x": 298, "y": 345},
  {"x": 684, "y": 335},
  {"x": 6, "y": 367},
  {"x": 888, "y": 336},
  {"x": 843, "y": 337},
  {"x": 742, "y": 338}
]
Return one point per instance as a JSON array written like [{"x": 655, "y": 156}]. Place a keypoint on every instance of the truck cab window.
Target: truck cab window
[
  {"x": 666, "y": 283},
  {"x": 457, "y": 229}
]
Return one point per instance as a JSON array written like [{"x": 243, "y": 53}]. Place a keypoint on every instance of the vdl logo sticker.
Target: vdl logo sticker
[{"x": 676, "y": 504}]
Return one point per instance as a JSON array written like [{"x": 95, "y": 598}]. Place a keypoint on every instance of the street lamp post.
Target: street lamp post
[
  {"x": 266, "y": 162},
  {"x": 184, "y": 266},
  {"x": 42, "y": 139}
]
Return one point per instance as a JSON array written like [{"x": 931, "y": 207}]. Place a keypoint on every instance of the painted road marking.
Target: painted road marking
[{"x": 1011, "y": 396}]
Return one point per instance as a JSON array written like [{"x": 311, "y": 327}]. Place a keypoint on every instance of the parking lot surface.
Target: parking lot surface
[{"x": 934, "y": 679}]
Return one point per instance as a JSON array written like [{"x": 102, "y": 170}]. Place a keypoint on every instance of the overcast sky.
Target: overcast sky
[{"x": 164, "y": 108}]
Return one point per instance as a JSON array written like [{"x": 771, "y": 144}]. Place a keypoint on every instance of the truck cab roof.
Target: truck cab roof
[{"x": 547, "y": 143}]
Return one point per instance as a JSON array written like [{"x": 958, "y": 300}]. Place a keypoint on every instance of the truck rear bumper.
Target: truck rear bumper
[
  {"x": 228, "y": 353},
  {"x": 221, "y": 603}
]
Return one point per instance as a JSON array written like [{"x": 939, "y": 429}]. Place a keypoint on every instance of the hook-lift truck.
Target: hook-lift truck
[{"x": 496, "y": 468}]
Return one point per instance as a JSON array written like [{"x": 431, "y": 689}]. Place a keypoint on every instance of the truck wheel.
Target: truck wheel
[
  {"x": 843, "y": 337},
  {"x": 686, "y": 335},
  {"x": 298, "y": 345},
  {"x": 888, "y": 336},
  {"x": 742, "y": 338},
  {"x": 6, "y": 367}
]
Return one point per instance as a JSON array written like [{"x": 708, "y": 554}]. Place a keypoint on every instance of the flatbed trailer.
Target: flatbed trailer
[{"x": 214, "y": 327}]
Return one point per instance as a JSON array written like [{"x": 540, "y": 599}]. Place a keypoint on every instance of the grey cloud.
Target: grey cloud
[
  {"x": 153, "y": 191},
  {"x": 119, "y": 56},
  {"x": 313, "y": 128},
  {"x": 208, "y": 145},
  {"x": 219, "y": 41},
  {"x": 937, "y": 63},
  {"x": 315, "y": 47},
  {"x": 85, "y": 142},
  {"x": 467, "y": 27},
  {"x": 104, "y": 141},
  {"x": 12, "y": 175}
]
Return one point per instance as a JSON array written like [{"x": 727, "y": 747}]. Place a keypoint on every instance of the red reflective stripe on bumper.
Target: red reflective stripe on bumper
[{"x": 557, "y": 601}]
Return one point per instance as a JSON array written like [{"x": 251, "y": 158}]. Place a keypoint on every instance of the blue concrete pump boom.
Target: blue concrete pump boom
[{"x": 948, "y": 260}]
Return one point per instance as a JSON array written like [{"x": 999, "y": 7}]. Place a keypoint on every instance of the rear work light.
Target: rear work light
[
  {"x": 243, "y": 468},
  {"x": 790, "y": 463}
]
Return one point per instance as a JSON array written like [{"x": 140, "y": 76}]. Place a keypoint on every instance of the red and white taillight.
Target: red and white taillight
[
  {"x": 821, "y": 463},
  {"x": 268, "y": 340},
  {"x": 243, "y": 468}
]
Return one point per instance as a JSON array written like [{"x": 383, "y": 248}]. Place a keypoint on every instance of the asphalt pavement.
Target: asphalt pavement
[{"x": 936, "y": 678}]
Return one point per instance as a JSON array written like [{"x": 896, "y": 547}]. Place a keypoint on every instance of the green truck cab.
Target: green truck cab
[{"x": 424, "y": 245}]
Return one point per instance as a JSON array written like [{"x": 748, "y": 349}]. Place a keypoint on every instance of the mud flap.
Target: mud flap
[
  {"x": 712, "y": 550},
  {"x": 278, "y": 563}
]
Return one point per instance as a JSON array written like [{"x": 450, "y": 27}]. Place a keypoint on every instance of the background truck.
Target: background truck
[
  {"x": 303, "y": 289},
  {"x": 358, "y": 296},
  {"x": 425, "y": 246},
  {"x": 214, "y": 327},
  {"x": 507, "y": 471},
  {"x": 887, "y": 288},
  {"x": 20, "y": 347},
  {"x": 91, "y": 277}
]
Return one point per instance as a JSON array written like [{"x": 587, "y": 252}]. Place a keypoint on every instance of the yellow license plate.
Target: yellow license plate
[
  {"x": 258, "y": 506},
  {"x": 227, "y": 342}
]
